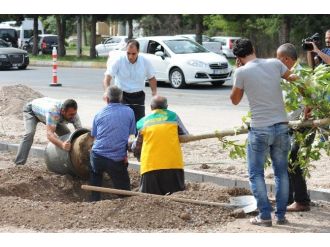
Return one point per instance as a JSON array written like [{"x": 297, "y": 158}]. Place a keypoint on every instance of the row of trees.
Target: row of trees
[{"x": 266, "y": 31}]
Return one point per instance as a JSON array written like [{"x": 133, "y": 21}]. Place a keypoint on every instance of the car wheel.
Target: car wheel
[
  {"x": 177, "y": 78},
  {"x": 22, "y": 67},
  {"x": 217, "y": 83}
]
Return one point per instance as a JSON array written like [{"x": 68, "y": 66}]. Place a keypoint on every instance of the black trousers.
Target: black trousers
[
  {"x": 117, "y": 170},
  {"x": 297, "y": 183},
  {"x": 162, "y": 182},
  {"x": 136, "y": 102}
]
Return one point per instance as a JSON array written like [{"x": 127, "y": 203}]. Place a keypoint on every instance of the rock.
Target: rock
[
  {"x": 205, "y": 166},
  {"x": 238, "y": 213},
  {"x": 185, "y": 216}
]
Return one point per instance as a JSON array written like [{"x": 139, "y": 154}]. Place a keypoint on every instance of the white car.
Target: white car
[
  {"x": 209, "y": 43},
  {"x": 110, "y": 44},
  {"x": 227, "y": 44},
  {"x": 182, "y": 61}
]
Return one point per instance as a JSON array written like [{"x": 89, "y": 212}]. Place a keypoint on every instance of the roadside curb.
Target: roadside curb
[
  {"x": 191, "y": 175},
  {"x": 93, "y": 65}
]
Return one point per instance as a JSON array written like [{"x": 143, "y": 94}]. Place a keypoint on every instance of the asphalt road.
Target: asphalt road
[{"x": 203, "y": 108}]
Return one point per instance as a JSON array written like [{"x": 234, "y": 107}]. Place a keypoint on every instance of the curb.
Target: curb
[
  {"x": 192, "y": 175},
  {"x": 67, "y": 64}
]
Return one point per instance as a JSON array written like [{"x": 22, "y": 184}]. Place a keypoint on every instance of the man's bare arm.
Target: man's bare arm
[
  {"x": 236, "y": 95},
  {"x": 54, "y": 139},
  {"x": 153, "y": 85},
  {"x": 106, "y": 81}
]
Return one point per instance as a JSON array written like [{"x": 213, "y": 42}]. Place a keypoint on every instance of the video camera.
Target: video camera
[{"x": 314, "y": 38}]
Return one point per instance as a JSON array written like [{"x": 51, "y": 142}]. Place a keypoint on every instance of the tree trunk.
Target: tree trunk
[
  {"x": 84, "y": 37},
  {"x": 130, "y": 28},
  {"x": 92, "y": 51},
  {"x": 284, "y": 34},
  {"x": 60, "y": 25},
  {"x": 199, "y": 28},
  {"x": 295, "y": 125},
  {"x": 79, "y": 36},
  {"x": 35, "y": 36}
]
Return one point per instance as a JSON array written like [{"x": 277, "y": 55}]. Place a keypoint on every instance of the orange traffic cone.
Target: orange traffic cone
[{"x": 54, "y": 81}]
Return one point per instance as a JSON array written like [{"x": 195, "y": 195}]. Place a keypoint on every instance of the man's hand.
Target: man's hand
[
  {"x": 293, "y": 77},
  {"x": 307, "y": 112},
  {"x": 238, "y": 63},
  {"x": 315, "y": 49},
  {"x": 66, "y": 146}
]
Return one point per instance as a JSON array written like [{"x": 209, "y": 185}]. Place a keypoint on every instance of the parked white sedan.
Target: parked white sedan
[
  {"x": 181, "y": 61},
  {"x": 110, "y": 44}
]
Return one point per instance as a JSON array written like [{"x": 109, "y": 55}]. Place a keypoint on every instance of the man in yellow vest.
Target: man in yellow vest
[{"x": 158, "y": 148}]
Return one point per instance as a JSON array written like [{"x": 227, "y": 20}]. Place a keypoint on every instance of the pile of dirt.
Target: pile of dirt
[
  {"x": 33, "y": 198},
  {"x": 13, "y": 98}
]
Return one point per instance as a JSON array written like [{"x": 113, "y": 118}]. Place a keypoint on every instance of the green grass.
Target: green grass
[{"x": 70, "y": 58}]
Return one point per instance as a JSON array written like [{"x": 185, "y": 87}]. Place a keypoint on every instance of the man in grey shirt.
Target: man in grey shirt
[{"x": 260, "y": 79}]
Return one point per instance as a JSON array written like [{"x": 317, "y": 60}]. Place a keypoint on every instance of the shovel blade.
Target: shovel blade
[{"x": 247, "y": 203}]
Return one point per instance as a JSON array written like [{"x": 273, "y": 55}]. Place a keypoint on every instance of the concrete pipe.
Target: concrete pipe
[{"x": 76, "y": 161}]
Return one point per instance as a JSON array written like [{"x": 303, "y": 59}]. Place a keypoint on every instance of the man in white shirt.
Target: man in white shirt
[{"x": 130, "y": 73}]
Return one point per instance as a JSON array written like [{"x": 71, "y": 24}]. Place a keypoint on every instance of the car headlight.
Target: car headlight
[
  {"x": 197, "y": 63},
  {"x": 3, "y": 56}
]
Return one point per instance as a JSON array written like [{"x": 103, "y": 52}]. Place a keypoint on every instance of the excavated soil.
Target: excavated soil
[{"x": 33, "y": 198}]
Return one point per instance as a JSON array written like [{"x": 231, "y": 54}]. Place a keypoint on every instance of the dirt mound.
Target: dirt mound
[
  {"x": 13, "y": 98},
  {"x": 33, "y": 198}
]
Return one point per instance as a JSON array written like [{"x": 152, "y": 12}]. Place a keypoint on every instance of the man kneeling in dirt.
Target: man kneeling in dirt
[
  {"x": 55, "y": 114},
  {"x": 161, "y": 158},
  {"x": 111, "y": 129}
]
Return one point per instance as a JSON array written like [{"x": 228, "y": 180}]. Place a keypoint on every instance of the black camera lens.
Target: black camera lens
[{"x": 307, "y": 46}]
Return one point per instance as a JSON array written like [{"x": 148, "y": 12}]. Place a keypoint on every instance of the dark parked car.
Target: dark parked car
[
  {"x": 9, "y": 35},
  {"x": 46, "y": 42},
  {"x": 12, "y": 57}
]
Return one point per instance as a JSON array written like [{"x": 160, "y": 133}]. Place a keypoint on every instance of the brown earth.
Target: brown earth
[{"x": 34, "y": 199}]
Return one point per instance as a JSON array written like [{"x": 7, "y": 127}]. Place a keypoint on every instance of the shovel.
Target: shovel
[{"x": 245, "y": 204}]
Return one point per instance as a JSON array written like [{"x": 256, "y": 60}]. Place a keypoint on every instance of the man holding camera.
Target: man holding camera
[{"x": 315, "y": 56}]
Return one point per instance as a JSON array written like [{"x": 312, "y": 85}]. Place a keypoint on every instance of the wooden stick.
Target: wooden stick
[
  {"x": 244, "y": 130},
  {"x": 132, "y": 193}
]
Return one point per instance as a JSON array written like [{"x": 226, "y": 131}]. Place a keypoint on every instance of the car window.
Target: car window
[
  {"x": 116, "y": 40},
  {"x": 153, "y": 47},
  {"x": 4, "y": 43},
  {"x": 7, "y": 32},
  {"x": 185, "y": 46},
  {"x": 52, "y": 39}
]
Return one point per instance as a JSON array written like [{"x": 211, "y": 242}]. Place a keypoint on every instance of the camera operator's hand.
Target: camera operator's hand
[{"x": 315, "y": 49}]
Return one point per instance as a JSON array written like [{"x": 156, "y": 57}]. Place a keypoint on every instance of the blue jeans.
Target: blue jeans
[{"x": 273, "y": 140}]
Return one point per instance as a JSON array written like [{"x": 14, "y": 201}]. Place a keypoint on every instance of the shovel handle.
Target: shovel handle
[{"x": 133, "y": 193}]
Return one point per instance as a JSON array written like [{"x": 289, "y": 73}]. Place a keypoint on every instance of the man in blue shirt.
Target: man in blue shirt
[
  {"x": 130, "y": 72},
  {"x": 111, "y": 129}
]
